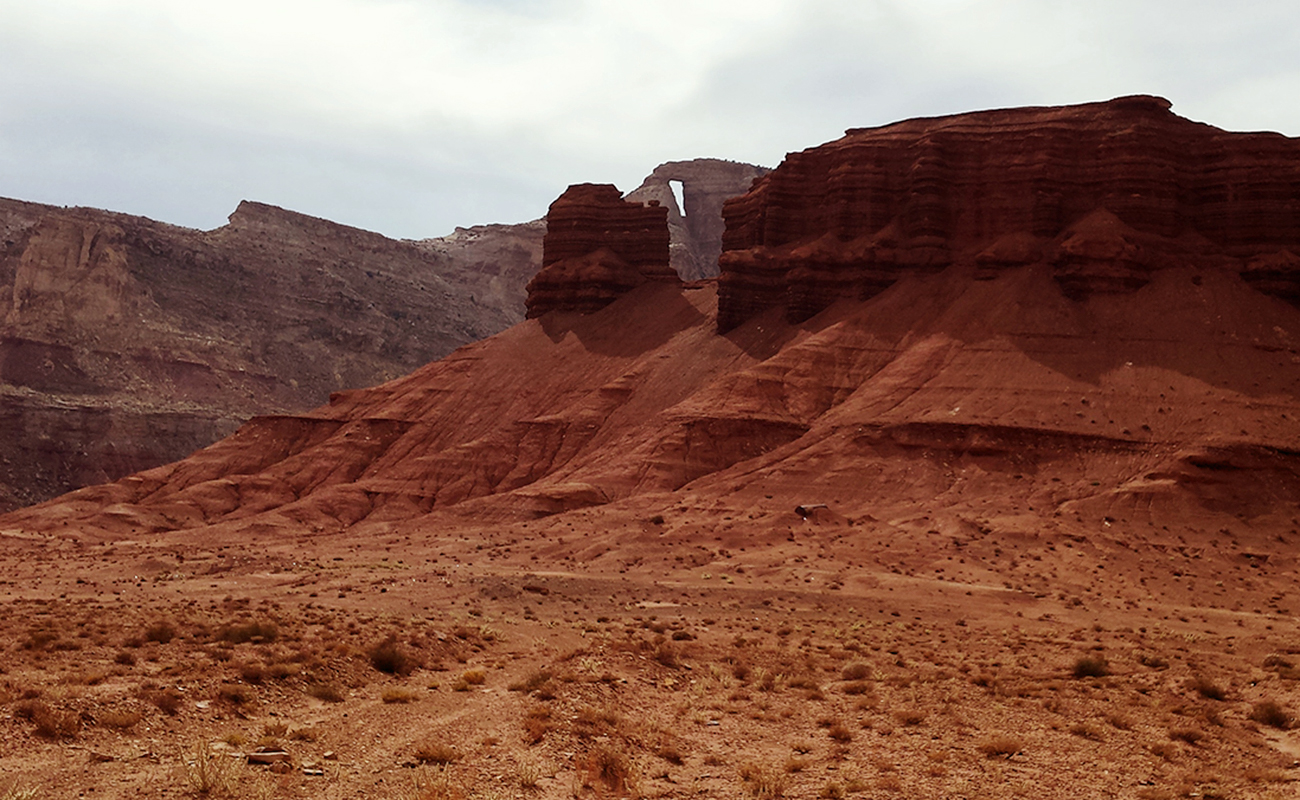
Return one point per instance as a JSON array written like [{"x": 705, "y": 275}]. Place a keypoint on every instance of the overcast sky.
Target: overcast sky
[{"x": 411, "y": 117}]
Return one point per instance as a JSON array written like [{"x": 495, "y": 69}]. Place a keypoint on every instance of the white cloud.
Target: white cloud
[{"x": 412, "y": 116}]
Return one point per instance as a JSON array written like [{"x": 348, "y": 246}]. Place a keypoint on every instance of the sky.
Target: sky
[{"x": 412, "y": 117}]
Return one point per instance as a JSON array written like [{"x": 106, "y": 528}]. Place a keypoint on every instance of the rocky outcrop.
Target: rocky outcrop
[
  {"x": 127, "y": 343},
  {"x": 492, "y": 263},
  {"x": 1104, "y": 194},
  {"x": 597, "y": 246},
  {"x": 695, "y": 226},
  {"x": 945, "y": 400}
]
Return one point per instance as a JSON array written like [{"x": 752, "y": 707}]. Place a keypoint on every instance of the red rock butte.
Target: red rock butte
[
  {"x": 1035, "y": 322},
  {"x": 597, "y": 247},
  {"x": 1104, "y": 194}
]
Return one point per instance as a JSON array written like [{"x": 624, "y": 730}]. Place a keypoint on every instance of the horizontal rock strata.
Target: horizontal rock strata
[{"x": 1103, "y": 193}]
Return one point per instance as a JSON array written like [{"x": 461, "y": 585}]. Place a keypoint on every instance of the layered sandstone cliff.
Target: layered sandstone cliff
[
  {"x": 597, "y": 247},
  {"x": 1104, "y": 194},
  {"x": 1116, "y": 378},
  {"x": 695, "y": 224},
  {"x": 126, "y": 343}
]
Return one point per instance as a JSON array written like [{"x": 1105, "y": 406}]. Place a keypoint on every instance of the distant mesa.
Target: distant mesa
[
  {"x": 1102, "y": 194},
  {"x": 127, "y": 343}
]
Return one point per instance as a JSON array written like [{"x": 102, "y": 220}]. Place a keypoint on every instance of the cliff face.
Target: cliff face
[
  {"x": 695, "y": 226},
  {"x": 127, "y": 343},
  {"x": 1104, "y": 194},
  {"x": 597, "y": 247}
]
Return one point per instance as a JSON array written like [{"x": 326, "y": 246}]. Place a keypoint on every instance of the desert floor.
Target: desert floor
[{"x": 549, "y": 661}]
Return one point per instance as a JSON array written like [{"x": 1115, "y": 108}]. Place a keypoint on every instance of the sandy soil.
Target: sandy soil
[{"x": 546, "y": 663}]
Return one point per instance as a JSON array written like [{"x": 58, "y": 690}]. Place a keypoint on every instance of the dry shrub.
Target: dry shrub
[
  {"x": 124, "y": 657},
  {"x": 839, "y": 732},
  {"x": 327, "y": 692},
  {"x": 235, "y": 694},
  {"x": 19, "y": 792},
  {"x": 609, "y": 767},
  {"x": 1087, "y": 731},
  {"x": 1207, "y": 688},
  {"x": 398, "y": 694},
  {"x": 432, "y": 752},
  {"x": 857, "y": 671},
  {"x": 50, "y": 722},
  {"x": 209, "y": 774},
  {"x": 1268, "y": 712},
  {"x": 761, "y": 782},
  {"x": 1187, "y": 734},
  {"x": 161, "y": 632},
  {"x": 166, "y": 700},
  {"x": 252, "y": 672},
  {"x": 121, "y": 719},
  {"x": 533, "y": 682},
  {"x": 474, "y": 677},
  {"x": 389, "y": 656},
  {"x": 537, "y": 724},
  {"x": 435, "y": 784},
  {"x": 1091, "y": 667},
  {"x": 802, "y": 682},
  {"x": 281, "y": 670},
  {"x": 1001, "y": 745},
  {"x": 256, "y": 632},
  {"x": 909, "y": 716}
]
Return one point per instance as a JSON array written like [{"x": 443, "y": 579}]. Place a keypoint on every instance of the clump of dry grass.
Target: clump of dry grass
[
  {"x": 857, "y": 671},
  {"x": 161, "y": 632},
  {"x": 327, "y": 692},
  {"x": 1207, "y": 688},
  {"x": 120, "y": 719},
  {"x": 399, "y": 694},
  {"x": 435, "y": 752},
  {"x": 537, "y": 723},
  {"x": 50, "y": 722},
  {"x": 1001, "y": 745},
  {"x": 762, "y": 782},
  {"x": 1085, "y": 730},
  {"x": 391, "y": 657},
  {"x": 166, "y": 700},
  {"x": 1187, "y": 734},
  {"x": 208, "y": 774},
  {"x": 1091, "y": 667},
  {"x": 256, "y": 632},
  {"x": 608, "y": 766},
  {"x": 1270, "y": 713}
]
